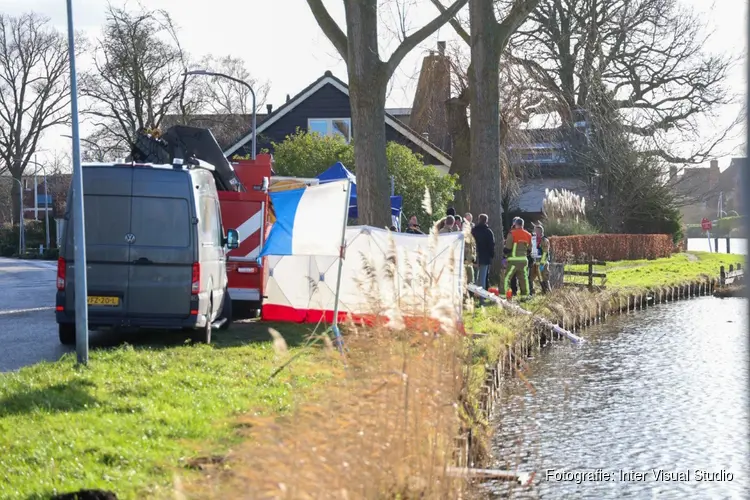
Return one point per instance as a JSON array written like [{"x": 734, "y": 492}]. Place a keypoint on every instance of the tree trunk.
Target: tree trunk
[
  {"x": 15, "y": 194},
  {"x": 485, "y": 192},
  {"x": 367, "y": 98},
  {"x": 458, "y": 128}
]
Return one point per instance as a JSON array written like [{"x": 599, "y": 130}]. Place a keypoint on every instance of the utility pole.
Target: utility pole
[{"x": 79, "y": 234}]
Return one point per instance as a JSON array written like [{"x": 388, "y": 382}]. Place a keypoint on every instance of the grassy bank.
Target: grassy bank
[
  {"x": 385, "y": 429},
  {"x": 140, "y": 414},
  {"x": 674, "y": 270},
  {"x": 137, "y": 413}
]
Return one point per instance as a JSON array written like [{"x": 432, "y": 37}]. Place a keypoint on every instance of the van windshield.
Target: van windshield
[{"x": 160, "y": 222}]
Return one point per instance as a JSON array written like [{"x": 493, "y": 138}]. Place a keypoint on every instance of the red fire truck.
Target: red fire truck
[
  {"x": 243, "y": 187},
  {"x": 248, "y": 211}
]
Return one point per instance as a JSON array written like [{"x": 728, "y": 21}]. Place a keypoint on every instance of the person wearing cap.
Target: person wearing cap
[
  {"x": 449, "y": 226},
  {"x": 451, "y": 212},
  {"x": 540, "y": 253},
  {"x": 517, "y": 247},
  {"x": 413, "y": 227}
]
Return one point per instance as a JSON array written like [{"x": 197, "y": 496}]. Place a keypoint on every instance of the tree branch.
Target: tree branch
[
  {"x": 411, "y": 41},
  {"x": 330, "y": 28},
  {"x": 460, "y": 31}
]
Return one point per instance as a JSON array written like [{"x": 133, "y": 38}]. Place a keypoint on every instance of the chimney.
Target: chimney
[
  {"x": 269, "y": 108},
  {"x": 672, "y": 172},
  {"x": 714, "y": 164},
  {"x": 426, "y": 136},
  {"x": 428, "y": 114},
  {"x": 288, "y": 98}
]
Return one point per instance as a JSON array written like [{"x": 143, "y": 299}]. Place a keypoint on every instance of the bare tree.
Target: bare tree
[
  {"x": 488, "y": 38},
  {"x": 648, "y": 53},
  {"x": 34, "y": 90},
  {"x": 137, "y": 76},
  {"x": 368, "y": 82},
  {"x": 517, "y": 102},
  {"x": 220, "y": 104}
]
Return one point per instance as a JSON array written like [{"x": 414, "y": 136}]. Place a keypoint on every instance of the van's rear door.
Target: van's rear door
[
  {"x": 163, "y": 252},
  {"x": 107, "y": 219}
]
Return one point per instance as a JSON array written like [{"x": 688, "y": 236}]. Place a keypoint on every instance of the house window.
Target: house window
[{"x": 331, "y": 127}]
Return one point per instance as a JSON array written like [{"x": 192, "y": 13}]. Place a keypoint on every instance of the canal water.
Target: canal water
[
  {"x": 736, "y": 245},
  {"x": 661, "y": 390}
]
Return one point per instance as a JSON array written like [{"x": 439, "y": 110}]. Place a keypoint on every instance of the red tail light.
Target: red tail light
[
  {"x": 196, "y": 286},
  {"x": 61, "y": 274}
]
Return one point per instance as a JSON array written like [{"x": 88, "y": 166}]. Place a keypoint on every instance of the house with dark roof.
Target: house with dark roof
[
  {"x": 323, "y": 107},
  {"x": 703, "y": 191}
]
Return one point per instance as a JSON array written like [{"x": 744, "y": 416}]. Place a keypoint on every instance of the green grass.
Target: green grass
[
  {"x": 133, "y": 416},
  {"x": 680, "y": 268}
]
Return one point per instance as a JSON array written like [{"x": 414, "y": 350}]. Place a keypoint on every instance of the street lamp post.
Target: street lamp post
[
  {"x": 79, "y": 234},
  {"x": 241, "y": 82},
  {"x": 46, "y": 201}
]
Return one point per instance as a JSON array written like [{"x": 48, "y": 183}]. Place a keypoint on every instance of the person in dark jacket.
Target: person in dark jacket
[{"x": 484, "y": 239}]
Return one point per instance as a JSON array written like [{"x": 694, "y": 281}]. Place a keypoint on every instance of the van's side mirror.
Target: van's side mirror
[{"x": 232, "y": 239}]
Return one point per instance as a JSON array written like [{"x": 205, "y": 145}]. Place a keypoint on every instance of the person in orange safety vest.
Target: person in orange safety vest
[{"x": 516, "y": 251}]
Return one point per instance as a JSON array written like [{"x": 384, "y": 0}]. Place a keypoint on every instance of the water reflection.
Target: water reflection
[
  {"x": 736, "y": 245},
  {"x": 664, "y": 389}
]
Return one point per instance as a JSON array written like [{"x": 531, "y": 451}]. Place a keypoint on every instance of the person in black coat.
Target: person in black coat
[{"x": 485, "y": 244}]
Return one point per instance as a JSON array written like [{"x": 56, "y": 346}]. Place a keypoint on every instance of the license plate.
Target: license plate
[{"x": 104, "y": 301}]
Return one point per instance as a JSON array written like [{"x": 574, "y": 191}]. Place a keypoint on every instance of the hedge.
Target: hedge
[{"x": 610, "y": 247}]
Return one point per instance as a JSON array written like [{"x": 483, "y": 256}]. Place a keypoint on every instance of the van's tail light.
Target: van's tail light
[
  {"x": 196, "y": 286},
  {"x": 61, "y": 274}
]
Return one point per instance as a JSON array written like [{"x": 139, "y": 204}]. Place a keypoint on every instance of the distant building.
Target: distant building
[
  {"x": 35, "y": 206},
  {"x": 704, "y": 191}
]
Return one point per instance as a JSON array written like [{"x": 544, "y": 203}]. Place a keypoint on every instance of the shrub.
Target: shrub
[
  {"x": 51, "y": 254},
  {"x": 34, "y": 233},
  {"x": 308, "y": 155},
  {"x": 611, "y": 247}
]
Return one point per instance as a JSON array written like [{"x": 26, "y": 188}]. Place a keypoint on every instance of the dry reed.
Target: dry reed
[{"x": 386, "y": 429}]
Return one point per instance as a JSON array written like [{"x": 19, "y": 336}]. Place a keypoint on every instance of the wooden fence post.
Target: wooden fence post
[{"x": 722, "y": 276}]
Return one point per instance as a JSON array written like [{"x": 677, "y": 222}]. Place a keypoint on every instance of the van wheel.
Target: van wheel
[
  {"x": 67, "y": 333},
  {"x": 226, "y": 311}
]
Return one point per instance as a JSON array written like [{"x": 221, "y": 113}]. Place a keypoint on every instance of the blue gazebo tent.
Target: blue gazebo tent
[{"x": 339, "y": 172}]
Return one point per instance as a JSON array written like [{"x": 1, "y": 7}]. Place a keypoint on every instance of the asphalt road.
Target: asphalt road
[{"x": 28, "y": 331}]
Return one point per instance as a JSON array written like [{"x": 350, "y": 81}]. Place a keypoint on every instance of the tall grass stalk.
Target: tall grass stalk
[
  {"x": 565, "y": 213},
  {"x": 386, "y": 429}
]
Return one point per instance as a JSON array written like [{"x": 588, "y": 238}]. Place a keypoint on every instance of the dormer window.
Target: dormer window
[{"x": 329, "y": 127}]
